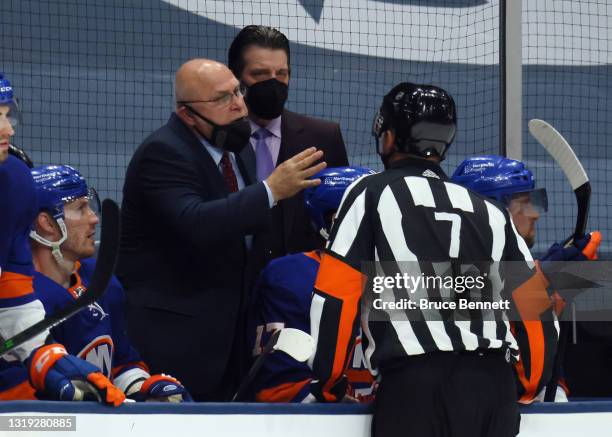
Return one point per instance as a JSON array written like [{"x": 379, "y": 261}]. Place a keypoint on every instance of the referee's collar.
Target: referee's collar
[{"x": 424, "y": 165}]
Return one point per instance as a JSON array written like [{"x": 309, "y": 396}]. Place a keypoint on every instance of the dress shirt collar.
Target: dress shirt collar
[
  {"x": 216, "y": 153},
  {"x": 274, "y": 127}
]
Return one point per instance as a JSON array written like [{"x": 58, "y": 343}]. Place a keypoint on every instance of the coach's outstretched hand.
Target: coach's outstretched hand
[
  {"x": 161, "y": 388},
  {"x": 291, "y": 176},
  {"x": 59, "y": 376},
  {"x": 580, "y": 250}
]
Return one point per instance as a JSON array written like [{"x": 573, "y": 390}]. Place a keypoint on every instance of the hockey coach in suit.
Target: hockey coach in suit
[
  {"x": 190, "y": 209},
  {"x": 259, "y": 57}
]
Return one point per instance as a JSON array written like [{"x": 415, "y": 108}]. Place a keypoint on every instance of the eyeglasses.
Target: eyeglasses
[{"x": 223, "y": 100}]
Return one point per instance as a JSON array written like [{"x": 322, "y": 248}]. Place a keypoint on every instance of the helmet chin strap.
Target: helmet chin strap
[
  {"x": 324, "y": 233},
  {"x": 54, "y": 245}
]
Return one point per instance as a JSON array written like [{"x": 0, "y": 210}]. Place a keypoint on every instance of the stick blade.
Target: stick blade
[
  {"x": 295, "y": 343},
  {"x": 560, "y": 150}
]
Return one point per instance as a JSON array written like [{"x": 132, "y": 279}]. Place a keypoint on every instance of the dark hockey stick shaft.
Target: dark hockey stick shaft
[
  {"x": 583, "y": 198},
  {"x": 105, "y": 265},
  {"x": 246, "y": 382}
]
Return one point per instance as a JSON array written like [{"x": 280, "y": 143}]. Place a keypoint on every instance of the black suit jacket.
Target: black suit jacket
[
  {"x": 183, "y": 256},
  {"x": 289, "y": 229}
]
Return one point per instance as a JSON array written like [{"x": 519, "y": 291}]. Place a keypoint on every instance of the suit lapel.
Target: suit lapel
[
  {"x": 209, "y": 171},
  {"x": 248, "y": 165},
  {"x": 291, "y": 131}
]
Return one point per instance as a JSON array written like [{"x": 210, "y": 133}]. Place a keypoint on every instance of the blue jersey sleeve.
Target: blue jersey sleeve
[
  {"x": 19, "y": 307},
  {"x": 18, "y": 208},
  {"x": 7, "y": 225}
]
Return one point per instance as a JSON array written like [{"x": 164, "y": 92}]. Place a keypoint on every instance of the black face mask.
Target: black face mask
[
  {"x": 266, "y": 99},
  {"x": 231, "y": 137}
]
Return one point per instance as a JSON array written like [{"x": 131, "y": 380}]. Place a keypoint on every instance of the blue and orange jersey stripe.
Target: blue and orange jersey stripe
[
  {"x": 78, "y": 286},
  {"x": 529, "y": 372},
  {"x": 537, "y": 344},
  {"x": 15, "y": 285},
  {"x": 286, "y": 392},
  {"x": 313, "y": 255},
  {"x": 134, "y": 365},
  {"x": 344, "y": 284},
  {"x": 20, "y": 392}
]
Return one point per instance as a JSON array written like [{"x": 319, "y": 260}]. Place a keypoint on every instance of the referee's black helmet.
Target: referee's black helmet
[{"x": 423, "y": 118}]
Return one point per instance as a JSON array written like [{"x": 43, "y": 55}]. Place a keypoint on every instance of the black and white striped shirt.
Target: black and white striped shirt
[{"x": 412, "y": 221}]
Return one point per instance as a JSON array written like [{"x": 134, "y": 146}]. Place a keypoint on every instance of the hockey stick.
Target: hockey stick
[
  {"x": 562, "y": 153},
  {"x": 105, "y": 265},
  {"x": 295, "y": 343}
]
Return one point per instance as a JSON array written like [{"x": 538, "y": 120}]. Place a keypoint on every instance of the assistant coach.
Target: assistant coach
[{"x": 259, "y": 57}]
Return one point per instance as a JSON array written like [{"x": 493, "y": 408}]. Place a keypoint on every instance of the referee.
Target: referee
[{"x": 443, "y": 372}]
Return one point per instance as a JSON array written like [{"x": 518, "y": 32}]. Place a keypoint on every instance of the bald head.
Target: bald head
[
  {"x": 196, "y": 79},
  {"x": 207, "y": 94}
]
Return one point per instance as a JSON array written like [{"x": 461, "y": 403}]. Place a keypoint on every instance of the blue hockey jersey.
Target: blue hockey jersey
[
  {"x": 18, "y": 208},
  {"x": 282, "y": 299},
  {"x": 97, "y": 333},
  {"x": 19, "y": 307}
]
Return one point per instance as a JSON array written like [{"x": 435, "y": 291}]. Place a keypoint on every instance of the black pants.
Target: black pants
[{"x": 447, "y": 394}]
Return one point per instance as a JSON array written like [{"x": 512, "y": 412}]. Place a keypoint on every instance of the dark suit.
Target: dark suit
[
  {"x": 183, "y": 258},
  {"x": 290, "y": 229}
]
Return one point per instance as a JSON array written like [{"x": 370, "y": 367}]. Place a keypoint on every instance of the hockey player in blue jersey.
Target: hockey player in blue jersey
[
  {"x": 513, "y": 185},
  {"x": 53, "y": 374},
  {"x": 18, "y": 306},
  {"x": 62, "y": 248},
  {"x": 282, "y": 299}
]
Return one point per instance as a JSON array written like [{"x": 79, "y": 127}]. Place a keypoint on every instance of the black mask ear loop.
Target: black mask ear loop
[{"x": 200, "y": 116}]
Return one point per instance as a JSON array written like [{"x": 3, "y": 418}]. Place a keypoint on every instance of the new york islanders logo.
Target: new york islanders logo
[{"x": 99, "y": 352}]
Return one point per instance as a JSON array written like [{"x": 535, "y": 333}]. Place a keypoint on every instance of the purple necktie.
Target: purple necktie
[{"x": 265, "y": 165}]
